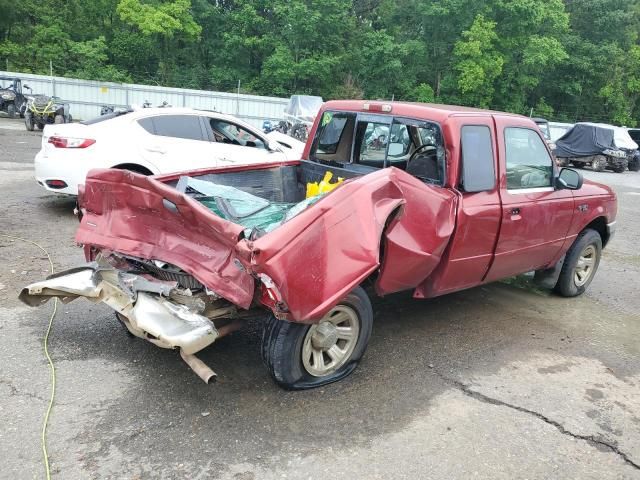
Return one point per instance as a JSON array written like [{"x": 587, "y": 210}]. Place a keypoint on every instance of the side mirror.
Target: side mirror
[{"x": 569, "y": 179}]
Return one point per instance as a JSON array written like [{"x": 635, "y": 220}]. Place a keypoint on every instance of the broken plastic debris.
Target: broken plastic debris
[{"x": 325, "y": 185}]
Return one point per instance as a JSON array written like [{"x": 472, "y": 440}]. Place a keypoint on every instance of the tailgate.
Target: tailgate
[{"x": 143, "y": 217}]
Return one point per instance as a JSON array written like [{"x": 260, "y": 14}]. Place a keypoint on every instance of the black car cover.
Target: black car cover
[{"x": 584, "y": 140}]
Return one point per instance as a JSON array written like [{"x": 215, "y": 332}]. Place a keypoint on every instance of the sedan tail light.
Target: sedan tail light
[{"x": 70, "y": 142}]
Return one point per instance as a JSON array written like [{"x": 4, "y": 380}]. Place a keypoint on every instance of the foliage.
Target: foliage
[{"x": 563, "y": 59}]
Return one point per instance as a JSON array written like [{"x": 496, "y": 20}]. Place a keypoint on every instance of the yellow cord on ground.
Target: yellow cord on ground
[{"x": 46, "y": 352}]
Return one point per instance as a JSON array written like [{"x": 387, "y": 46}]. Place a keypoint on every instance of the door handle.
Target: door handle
[{"x": 156, "y": 150}]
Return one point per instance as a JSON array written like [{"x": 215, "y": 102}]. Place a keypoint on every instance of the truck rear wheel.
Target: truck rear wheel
[
  {"x": 302, "y": 356},
  {"x": 580, "y": 264}
]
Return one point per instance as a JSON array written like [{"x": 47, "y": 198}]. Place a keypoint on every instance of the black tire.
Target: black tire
[
  {"x": 40, "y": 126},
  {"x": 28, "y": 122},
  {"x": 634, "y": 165},
  {"x": 619, "y": 168},
  {"x": 567, "y": 285},
  {"x": 58, "y": 119},
  {"x": 282, "y": 346},
  {"x": 599, "y": 163},
  {"x": 11, "y": 110}
]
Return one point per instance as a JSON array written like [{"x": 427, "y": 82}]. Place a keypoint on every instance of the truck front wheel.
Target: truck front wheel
[
  {"x": 580, "y": 264},
  {"x": 302, "y": 356}
]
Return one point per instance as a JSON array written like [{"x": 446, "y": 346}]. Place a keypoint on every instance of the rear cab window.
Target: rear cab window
[
  {"x": 478, "y": 164},
  {"x": 364, "y": 142}
]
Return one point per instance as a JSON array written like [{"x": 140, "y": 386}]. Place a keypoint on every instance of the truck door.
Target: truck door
[
  {"x": 470, "y": 251},
  {"x": 535, "y": 215}
]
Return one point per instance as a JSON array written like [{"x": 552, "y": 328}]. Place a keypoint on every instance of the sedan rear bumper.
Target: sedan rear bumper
[{"x": 72, "y": 171}]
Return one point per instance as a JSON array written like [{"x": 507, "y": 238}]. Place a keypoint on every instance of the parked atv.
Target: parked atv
[
  {"x": 43, "y": 110},
  {"x": 12, "y": 101},
  {"x": 591, "y": 144}
]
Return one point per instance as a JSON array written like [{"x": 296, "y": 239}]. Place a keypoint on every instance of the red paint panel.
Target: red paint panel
[
  {"x": 313, "y": 260},
  {"x": 417, "y": 237},
  {"x": 471, "y": 250},
  {"x": 319, "y": 256}
]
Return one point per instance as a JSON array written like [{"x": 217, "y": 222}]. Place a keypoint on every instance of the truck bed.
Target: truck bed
[{"x": 299, "y": 269}]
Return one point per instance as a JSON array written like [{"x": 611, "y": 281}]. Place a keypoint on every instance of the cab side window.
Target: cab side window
[{"x": 529, "y": 164}]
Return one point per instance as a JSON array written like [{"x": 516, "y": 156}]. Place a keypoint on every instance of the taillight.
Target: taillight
[
  {"x": 70, "y": 142},
  {"x": 57, "y": 184}
]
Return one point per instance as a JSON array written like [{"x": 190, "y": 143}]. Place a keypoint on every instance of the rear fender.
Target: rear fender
[
  {"x": 316, "y": 258},
  {"x": 416, "y": 238}
]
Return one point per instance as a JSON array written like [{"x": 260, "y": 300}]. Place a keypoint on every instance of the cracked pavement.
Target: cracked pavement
[{"x": 503, "y": 381}]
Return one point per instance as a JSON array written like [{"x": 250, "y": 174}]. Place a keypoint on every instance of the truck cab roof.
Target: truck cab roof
[{"x": 431, "y": 111}]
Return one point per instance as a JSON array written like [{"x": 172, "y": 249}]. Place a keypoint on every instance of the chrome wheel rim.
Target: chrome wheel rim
[
  {"x": 328, "y": 345},
  {"x": 585, "y": 266}
]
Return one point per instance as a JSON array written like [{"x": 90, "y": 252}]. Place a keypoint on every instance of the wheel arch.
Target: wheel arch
[
  {"x": 599, "y": 224},
  {"x": 134, "y": 167}
]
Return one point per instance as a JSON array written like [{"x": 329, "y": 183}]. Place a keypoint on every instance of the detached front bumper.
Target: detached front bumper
[{"x": 143, "y": 306}]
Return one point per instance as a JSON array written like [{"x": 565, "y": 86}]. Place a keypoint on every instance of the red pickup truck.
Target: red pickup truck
[{"x": 427, "y": 198}]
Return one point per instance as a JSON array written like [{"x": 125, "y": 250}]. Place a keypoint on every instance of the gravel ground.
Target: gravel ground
[{"x": 502, "y": 381}]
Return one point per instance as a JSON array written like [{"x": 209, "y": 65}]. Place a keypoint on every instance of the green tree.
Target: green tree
[{"x": 478, "y": 62}]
